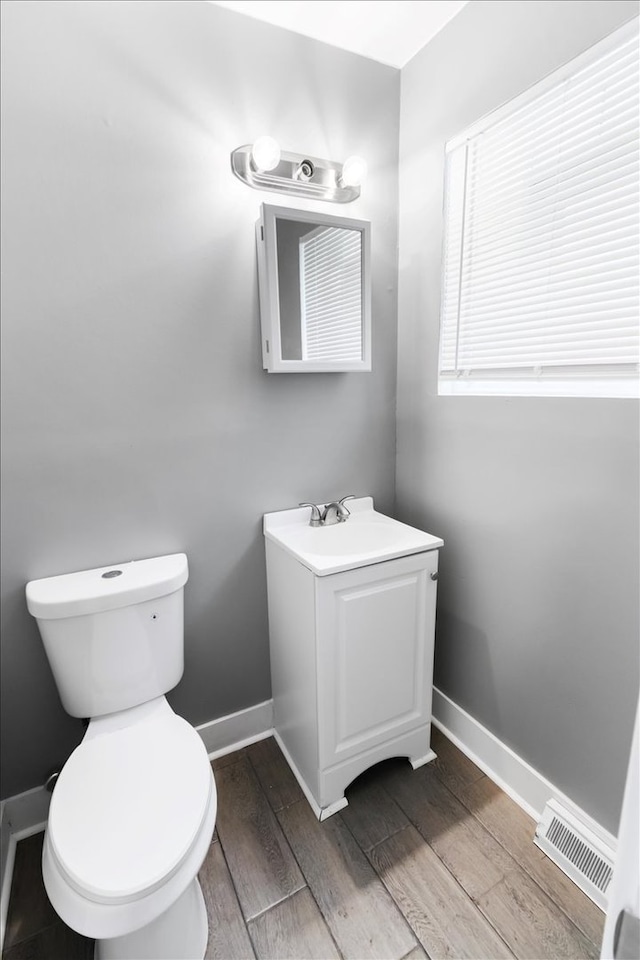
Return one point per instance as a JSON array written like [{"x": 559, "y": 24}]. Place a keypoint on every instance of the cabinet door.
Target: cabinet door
[{"x": 375, "y": 633}]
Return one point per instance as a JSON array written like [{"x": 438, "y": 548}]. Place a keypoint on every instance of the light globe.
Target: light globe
[
  {"x": 265, "y": 153},
  {"x": 354, "y": 172}
]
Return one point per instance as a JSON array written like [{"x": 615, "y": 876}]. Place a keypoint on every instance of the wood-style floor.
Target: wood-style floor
[{"x": 436, "y": 862}]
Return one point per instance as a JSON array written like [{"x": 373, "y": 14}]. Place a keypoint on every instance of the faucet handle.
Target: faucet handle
[
  {"x": 344, "y": 512},
  {"x": 316, "y": 516}
]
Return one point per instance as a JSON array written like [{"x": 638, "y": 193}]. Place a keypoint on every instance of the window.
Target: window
[{"x": 540, "y": 265}]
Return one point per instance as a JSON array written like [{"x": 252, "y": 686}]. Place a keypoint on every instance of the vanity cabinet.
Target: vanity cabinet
[{"x": 351, "y": 667}]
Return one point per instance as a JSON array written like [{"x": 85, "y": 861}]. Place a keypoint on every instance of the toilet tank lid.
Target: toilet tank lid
[{"x": 106, "y": 588}]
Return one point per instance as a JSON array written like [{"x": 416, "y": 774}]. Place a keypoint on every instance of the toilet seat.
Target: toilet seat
[{"x": 129, "y": 806}]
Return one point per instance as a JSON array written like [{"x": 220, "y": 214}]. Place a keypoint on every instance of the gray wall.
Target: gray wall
[
  {"x": 537, "y": 499},
  {"x": 137, "y": 418}
]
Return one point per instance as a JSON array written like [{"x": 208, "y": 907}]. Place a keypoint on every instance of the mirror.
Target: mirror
[{"x": 315, "y": 291}]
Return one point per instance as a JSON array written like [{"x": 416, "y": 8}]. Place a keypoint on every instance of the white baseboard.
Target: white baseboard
[
  {"x": 237, "y": 730},
  {"x": 525, "y": 785}
]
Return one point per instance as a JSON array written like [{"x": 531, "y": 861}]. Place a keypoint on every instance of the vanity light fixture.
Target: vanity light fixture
[{"x": 263, "y": 166}]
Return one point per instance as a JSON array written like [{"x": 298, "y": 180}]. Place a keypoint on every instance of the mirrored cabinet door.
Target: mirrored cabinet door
[{"x": 315, "y": 291}]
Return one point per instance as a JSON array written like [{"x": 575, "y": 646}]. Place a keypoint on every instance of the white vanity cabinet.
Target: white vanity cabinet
[{"x": 351, "y": 662}]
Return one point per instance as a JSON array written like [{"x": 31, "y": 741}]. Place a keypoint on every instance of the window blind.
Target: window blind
[
  {"x": 331, "y": 294},
  {"x": 541, "y": 245}
]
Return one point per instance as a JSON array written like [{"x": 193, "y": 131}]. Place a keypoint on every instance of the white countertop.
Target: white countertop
[{"x": 366, "y": 537}]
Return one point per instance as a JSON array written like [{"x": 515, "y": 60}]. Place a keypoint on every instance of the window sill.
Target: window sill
[{"x": 622, "y": 388}]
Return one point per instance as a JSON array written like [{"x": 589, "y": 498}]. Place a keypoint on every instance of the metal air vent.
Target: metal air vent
[{"x": 579, "y": 853}]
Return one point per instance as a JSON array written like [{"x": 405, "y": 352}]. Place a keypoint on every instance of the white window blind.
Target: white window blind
[
  {"x": 541, "y": 269},
  {"x": 331, "y": 294}
]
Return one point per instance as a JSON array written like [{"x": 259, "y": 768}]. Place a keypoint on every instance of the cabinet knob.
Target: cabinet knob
[{"x": 434, "y": 575}]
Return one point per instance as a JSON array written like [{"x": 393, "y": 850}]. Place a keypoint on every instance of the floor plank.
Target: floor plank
[
  {"x": 454, "y": 769},
  {"x": 228, "y": 758},
  {"x": 27, "y": 884},
  {"x": 228, "y": 936},
  {"x": 293, "y": 930},
  {"x": 532, "y": 925},
  {"x": 416, "y": 954},
  {"x": 467, "y": 849},
  {"x": 514, "y": 829},
  {"x": 372, "y": 814},
  {"x": 261, "y": 864},
  {"x": 443, "y": 918},
  {"x": 358, "y": 910},
  {"x": 56, "y": 942},
  {"x": 274, "y": 774},
  {"x": 508, "y": 822}
]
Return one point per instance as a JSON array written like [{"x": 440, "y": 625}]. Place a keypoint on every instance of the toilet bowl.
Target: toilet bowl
[
  {"x": 131, "y": 819},
  {"x": 133, "y": 810}
]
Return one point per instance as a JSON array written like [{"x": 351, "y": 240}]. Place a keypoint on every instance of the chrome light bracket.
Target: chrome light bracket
[{"x": 296, "y": 174}]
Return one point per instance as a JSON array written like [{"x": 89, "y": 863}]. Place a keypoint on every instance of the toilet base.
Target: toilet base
[{"x": 180, "y": 933}]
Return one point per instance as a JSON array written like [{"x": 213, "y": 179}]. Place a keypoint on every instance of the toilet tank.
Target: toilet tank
[{"x": 114, "y": 636}]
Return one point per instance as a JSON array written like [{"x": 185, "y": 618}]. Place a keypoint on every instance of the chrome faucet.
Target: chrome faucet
[{"x": 334, "y": 512}]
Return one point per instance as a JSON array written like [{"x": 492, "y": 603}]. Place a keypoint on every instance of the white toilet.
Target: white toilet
[{"x": 133, "y": 810}]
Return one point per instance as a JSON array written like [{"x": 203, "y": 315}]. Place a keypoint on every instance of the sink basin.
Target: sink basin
[
  {"x": 365, "y": 537},
  {"x": 344, "y": 539}
]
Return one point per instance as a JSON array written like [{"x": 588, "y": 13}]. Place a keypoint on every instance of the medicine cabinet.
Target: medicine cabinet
[{"x": 314, "y": 277}]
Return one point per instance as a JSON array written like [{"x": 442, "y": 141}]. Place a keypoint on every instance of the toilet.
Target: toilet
[{"x": 134, "y": 808}]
